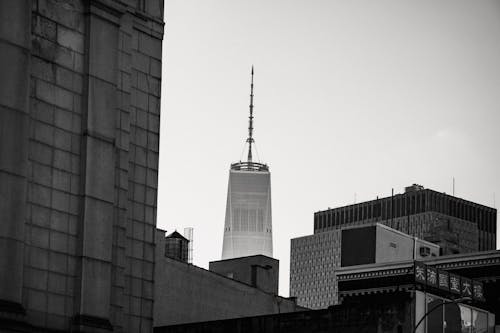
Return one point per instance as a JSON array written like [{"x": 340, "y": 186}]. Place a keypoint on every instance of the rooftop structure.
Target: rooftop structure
[
  {"x": 177, "y": 247},
  {"x": 258, "y": 271}
]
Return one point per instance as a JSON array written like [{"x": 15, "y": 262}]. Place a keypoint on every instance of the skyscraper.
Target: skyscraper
[
  {"x": 248, "y": 224},
  {"x": 455, "y": 224}
]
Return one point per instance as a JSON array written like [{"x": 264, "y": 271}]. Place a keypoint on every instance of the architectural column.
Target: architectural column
[
  {"x": 15, "y": 43},
  {"x": 98, "y": 165}
]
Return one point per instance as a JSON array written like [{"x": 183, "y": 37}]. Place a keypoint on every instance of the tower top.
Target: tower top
[
  {"x": 249, "y": 165},
  {"x": 250, "y": 139}
]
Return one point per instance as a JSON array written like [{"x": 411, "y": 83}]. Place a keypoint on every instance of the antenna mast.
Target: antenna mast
[
  {"x": 453, "y": 186},
  {"x": 250, "y": 125}
]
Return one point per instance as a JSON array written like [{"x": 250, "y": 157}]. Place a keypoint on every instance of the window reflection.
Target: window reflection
[
  {"x": 466, "y": 318},
  {"x": 453, "y": 317},
  {"x": 479, "y": 322},
  {"x": 435, "y": 317}
]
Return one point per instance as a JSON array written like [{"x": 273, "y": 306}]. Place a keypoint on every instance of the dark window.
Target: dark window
[
  {"x": 398, "y": 207},
  {"x": 418, "y": 203},
  {"x": 377, "y": 210}
]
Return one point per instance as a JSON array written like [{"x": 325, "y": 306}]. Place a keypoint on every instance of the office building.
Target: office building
[
  {"x": 315, "y": 259},
  {"x": 79, "y": 131},
  {"x": 455, "y": 224},
  {"x": 248, "y": 222}
]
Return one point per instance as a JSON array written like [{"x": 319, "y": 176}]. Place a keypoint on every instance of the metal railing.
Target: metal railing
[{"x": 249, "y": 166}]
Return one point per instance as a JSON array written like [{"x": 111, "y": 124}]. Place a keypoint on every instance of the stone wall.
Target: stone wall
[{"x": 79, "y": 156}]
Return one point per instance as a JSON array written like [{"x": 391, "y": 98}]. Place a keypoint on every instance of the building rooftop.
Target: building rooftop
[
  {"x": 175, "y": 234},
  {"x": 249, "y": 166},
  {"x": 409, "y": 190}
]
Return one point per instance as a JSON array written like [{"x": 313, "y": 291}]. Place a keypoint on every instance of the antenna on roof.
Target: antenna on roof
[
  {"x": 250, "y": 125},
  {"x": 453, "y": 186}
]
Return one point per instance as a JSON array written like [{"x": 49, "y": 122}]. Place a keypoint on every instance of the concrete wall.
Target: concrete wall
[
  {"x": 79, "y": 99},
  {"x": 392, "y": 246},
  {"x": 259, "y": 271},
  {"x": 186, "y": 293}
]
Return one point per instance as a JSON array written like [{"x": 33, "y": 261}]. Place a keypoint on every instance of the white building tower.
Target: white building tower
[{"x": 248, "y": 225}]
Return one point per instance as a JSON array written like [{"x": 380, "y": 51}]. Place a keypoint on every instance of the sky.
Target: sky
[{"x": 352, "y": 98}]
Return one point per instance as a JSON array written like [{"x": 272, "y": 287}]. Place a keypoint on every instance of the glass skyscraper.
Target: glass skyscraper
[{"x": 248, "y": 225}]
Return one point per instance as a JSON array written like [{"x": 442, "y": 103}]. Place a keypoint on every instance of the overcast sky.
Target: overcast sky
[{"x": 352, "y": 98}]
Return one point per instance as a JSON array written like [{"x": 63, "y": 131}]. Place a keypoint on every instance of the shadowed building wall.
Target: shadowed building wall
[
  {"x": 185, "y": 293},
  {"x": 259, "y": 271},
  {"x": 79, "y": 124}
]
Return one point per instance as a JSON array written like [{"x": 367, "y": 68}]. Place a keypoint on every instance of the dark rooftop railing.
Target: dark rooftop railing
[{"x": 249, "y": 166}]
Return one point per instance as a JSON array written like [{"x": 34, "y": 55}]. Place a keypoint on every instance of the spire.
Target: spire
[{"x": 250, "y": 125}]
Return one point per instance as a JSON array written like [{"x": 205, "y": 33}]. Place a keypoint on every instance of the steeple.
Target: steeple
[{"x": 250, "y": 125}]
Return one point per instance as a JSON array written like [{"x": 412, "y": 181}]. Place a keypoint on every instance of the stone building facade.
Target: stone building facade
[{"x": 79, "y": 139}]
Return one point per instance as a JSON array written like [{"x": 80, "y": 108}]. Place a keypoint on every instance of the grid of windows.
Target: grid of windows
[
  {"x": 437, "y": 209},
  {"x": 313, "y": 260},
  {"x": 248, "y": 222}
]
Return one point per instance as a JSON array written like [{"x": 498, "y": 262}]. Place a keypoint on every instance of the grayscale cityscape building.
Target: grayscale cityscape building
[
  {"x": 314, "y": 259},
  {"x": 456, "y": 225},
  {"x": 79, "y": 146},
  {"x": 248, "y": 222}
]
